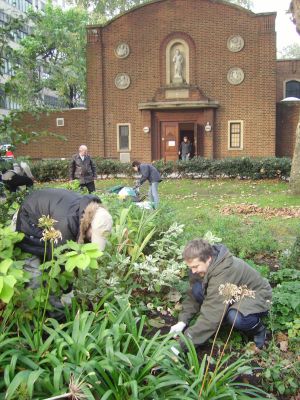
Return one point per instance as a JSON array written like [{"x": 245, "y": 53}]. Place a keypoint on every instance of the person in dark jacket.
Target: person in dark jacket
[
  {"x": 151, "y": 174},
  {"x": 79, "y": 217},
  {"x": 185, "y": 149},
  {"x": 214, "y": 271},
  {"x": 83, "y": 168},
  {"x": 20, "y": 175}
]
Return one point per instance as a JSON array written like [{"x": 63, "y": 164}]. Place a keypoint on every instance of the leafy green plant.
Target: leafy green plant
[
  {"x": 9, "y": 276},
  {"x": 284, "y": 275},
  {"x": 278, "y": 373},
  {"x": 286, "y": 304}
]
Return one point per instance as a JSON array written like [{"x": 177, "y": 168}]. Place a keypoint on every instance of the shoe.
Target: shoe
[{"x": 259, "y": 334}]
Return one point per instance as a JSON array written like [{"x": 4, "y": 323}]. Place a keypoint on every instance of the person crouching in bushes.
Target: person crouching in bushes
[
  {"x": 80, "y": 218},
  {"x": 213, "y": 268}
]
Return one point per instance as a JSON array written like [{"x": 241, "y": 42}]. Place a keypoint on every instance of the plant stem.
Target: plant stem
[
  {"x": 226, "y": 343},
  {"x": 41, "y": 292},
  {"x": 61, "y": 396},
  {"x": 211, "y": 351},
  {"x": 49, "y": 286}
]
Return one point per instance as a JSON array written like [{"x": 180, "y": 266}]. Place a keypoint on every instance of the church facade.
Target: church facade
[{"x": 205, "y": 69}]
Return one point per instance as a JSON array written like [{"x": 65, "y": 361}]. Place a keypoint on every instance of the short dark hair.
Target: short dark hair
[
  {"x": 135, "y": 163},
  {"x": 198, "y": 248}
]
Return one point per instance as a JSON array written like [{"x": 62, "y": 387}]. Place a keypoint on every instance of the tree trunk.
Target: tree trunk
[{"x": 295, "y": 171}]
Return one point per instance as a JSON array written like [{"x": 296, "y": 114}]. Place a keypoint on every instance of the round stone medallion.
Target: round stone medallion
[
  {"x": 122, "y": 50},
  {"x": 235, "y": 76},
  {"x": 235, "y": 43},
  {"x": 122, "y": 81}
]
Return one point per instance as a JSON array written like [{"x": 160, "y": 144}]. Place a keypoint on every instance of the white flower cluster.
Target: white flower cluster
[{"x": 234, "y": 293}]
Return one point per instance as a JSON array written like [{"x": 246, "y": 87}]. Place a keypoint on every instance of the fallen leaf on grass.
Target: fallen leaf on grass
[
  {"x": 173, "y": 296},
  {"x": 284, "y": 345},
  {"x": 156, "y": 322}
]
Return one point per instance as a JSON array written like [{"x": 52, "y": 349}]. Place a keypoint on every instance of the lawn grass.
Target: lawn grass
[{"x": 197, "y": 204}]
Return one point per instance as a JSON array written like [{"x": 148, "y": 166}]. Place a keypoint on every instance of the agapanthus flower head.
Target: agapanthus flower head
[
  {"x": 76, "y": 388},
  {"x": 46, "y": 222},
  {"x": 51, "y": 234},
  {"x": 234, "y": 293}
]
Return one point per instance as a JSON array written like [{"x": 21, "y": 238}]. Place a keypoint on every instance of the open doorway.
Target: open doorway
[{"x": 187, "y": 129}]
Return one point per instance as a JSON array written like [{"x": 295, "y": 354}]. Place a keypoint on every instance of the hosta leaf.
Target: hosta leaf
[{"x": 1, "y": 283}]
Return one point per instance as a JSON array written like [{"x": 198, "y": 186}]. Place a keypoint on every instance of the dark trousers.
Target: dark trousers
[
  {"x": 241, "y": 322},
  {"x": 90, "y": 186},
  {"x": 18, "y": 180}
]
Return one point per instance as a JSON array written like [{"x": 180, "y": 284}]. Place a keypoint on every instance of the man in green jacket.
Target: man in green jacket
[{"x": 212, "y": 267}]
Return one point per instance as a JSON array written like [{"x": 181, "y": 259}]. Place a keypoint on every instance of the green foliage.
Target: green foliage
[
  {"x": 108, "y": 346},
  {"x": 293, "y": 260},
  {"x": 57, "y": 47},
  {"x": 10, "y": 205},
  {"x": 197, "y": 167},
  {"x": 9, "y": 276},
  {"x": 284, "y": 275},
  {"x": 286, "y": 304},
  {"x": 279, "y": 374},
  {"x": 46, "y": 171}
]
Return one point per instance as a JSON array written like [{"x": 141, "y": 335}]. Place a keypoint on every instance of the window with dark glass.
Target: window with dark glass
[
  {"x": 123, "y": 132},
  {"x": 292, "y": 89},
  {"x": 235, "y": 135}
]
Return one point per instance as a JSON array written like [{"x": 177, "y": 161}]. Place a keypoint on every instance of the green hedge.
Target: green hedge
[{"x": 244, "y": 167}]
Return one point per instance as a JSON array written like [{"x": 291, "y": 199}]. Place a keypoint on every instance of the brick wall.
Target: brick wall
[
  {"x": 207, "y": 24},
  {"x": 288, "y": 117},
  {"x": 287, "y": 70},
  {"x": 74, "y": 131}
]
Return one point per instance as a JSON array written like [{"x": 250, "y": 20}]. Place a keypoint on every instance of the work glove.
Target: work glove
[{"x": 177, "y": 328}]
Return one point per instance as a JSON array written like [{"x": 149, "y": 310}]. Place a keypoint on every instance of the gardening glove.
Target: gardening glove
[{"x": 177, "y": 328}]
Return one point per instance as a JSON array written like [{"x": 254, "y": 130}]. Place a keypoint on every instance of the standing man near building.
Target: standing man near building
[
  {"x": 185, "y": 149},
  {"x": 212, "y": 268},
  {"x": 151, "y": 174},
  {"x": 83, "y": 168}
]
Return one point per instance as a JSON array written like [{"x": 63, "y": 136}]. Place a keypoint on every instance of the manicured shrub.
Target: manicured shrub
[{"x": 198, "y": 167}]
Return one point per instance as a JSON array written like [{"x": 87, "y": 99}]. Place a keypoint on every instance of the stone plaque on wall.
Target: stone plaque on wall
[
  {"x": 235, "y": 43},
  {"x": 235, "y": 76},
  {"x": 122, "y": 50},
  {"x": 122, "y": 81}
]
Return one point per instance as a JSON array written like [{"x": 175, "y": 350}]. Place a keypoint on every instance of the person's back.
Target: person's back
[{"x": 64, "y": 206}]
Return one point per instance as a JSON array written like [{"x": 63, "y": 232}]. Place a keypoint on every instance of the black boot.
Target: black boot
[{"x": 258, "y": 333}]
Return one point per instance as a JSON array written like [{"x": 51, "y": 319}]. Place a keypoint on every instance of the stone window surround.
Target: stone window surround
[
  {"x": 284, "y": 85},
  {"x": 241, "y": 122},
  {"x": 129, "y": 138}
]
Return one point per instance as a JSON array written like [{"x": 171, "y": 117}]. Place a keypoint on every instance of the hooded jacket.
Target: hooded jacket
[
  {"x": 224, "y": 268},
  {"x": 65, "y": 206}
]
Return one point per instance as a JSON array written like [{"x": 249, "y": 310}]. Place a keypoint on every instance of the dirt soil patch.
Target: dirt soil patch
[{"x": 267, "y": 212}]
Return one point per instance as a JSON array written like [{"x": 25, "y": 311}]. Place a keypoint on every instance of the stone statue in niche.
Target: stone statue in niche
[
  {"x": 235, "y": 76},
  {"x": 122, "y": 50},
  {"x": 178, "y": 61},
  {"x": 235, "y": 43},
  {"x": 122, "y": 81}
]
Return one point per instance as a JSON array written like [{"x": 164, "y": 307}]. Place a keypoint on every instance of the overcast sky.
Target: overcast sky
[{"x": 286, "y": 31}]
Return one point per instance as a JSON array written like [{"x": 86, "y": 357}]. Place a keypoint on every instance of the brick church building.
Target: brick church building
[{"x": 205, "y": 69}]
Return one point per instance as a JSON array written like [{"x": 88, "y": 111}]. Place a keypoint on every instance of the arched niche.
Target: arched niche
[{"x": 177, "y": 62}]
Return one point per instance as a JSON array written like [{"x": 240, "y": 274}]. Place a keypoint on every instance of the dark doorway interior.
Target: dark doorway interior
[{"x": 187, "y": 129}]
